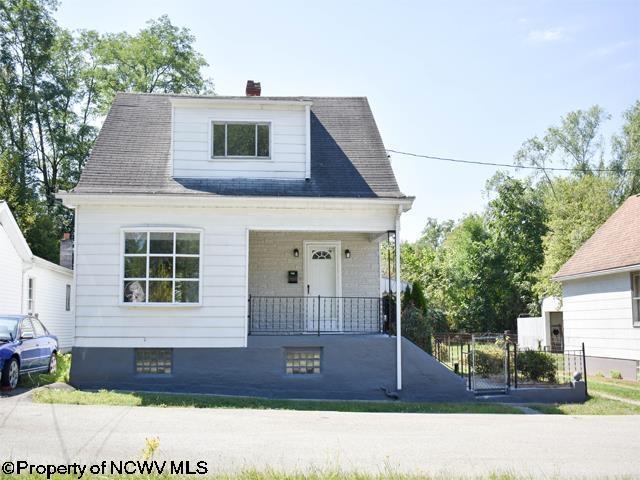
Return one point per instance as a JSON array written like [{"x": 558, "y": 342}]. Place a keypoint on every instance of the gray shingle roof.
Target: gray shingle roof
[
  {"x": 132, "y": 152},
  {"x": 615, "y": 244}
]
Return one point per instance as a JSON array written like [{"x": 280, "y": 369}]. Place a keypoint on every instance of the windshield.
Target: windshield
[{"x": 8, "y": 328}]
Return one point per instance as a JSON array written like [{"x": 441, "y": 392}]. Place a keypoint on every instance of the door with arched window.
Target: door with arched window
[{"x": 322, "y": 287}]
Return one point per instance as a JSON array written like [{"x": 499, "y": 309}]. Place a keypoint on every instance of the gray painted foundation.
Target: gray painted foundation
[
  {"x": 353, "y": 367},
  {"x": 603, "y": 365}
]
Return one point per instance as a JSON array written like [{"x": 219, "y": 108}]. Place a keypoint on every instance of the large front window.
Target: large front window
[
  {"x": 161, "y": 267},
  {"x": 240, "y": 139}
]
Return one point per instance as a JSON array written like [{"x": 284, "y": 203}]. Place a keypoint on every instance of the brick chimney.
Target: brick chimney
[
  {"x": 66, "y": 250},
  {"x": 253, "y": 88}
]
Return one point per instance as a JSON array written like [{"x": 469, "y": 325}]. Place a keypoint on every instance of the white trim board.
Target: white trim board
[{"x": 597, "y": 273}]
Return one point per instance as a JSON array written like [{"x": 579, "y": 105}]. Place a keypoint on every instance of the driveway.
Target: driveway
[{"x": 235, "y": 439}]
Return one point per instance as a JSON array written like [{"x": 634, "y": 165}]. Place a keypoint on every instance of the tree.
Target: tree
[
  {"x": 626, "y": 154},
  {"x": 578, "y": 207},
  {"x": 516, "y": 220},
  {"x": 160, "y": 58}
]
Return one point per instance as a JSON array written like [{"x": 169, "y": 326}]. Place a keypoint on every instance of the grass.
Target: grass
[
  {"x": 620, "y": 388},
  {"x": 39, "y": 379},
  {"x": 593, "y": 406},
  {"x": 143, "y": 399}
]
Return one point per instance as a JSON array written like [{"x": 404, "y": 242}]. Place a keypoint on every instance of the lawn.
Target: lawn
[
  {"x": 143, "y": 399},
  {"x": 594, "y": 406},
  {"x": 619, "y": 388}
]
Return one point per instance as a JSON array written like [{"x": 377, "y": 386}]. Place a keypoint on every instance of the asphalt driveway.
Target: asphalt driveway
[{"x": 293, "y": 440}]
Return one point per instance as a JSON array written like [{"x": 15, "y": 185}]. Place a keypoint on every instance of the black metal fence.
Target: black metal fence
[
  {"x": 319, "y": 315},
  {"x": 453, "y": 350},
  {"x": 544, "y": 367},
  {"x": 503, "y": 359}
]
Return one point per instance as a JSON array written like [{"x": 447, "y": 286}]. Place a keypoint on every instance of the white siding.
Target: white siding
[
  {"x": 49, "y": 302},
  {"x": 598, "y": 312},
  {"x": 532, "y": 332},
  {"x": 191, "y": 143},
  {"x": 220, "y": 321},
  {"x": 10, "y": 275}
]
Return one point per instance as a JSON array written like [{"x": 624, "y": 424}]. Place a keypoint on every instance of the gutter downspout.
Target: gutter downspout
[
  {"x": 24, "y": 277},
  {"x": 398, "y": 306}
]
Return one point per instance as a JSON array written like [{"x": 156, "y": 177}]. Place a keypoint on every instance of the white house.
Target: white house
[
  {"x": 30, "y": 284},
  {"x": 601, "y": 294},
  {"x": 545, "y": 332},
  {"x": 231, "y": 245}
]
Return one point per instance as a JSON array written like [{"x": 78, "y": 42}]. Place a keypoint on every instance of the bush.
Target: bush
[
  {"x": 537, "y": 366},
  {"x": 489, "y": 360},
  {"x": 616, "y": 375}
]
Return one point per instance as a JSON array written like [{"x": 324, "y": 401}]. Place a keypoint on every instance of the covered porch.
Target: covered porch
[{"x": 303, "y": 282}]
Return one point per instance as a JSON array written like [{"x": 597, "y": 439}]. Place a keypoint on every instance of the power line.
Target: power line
[{"x": 493, "y": 164}]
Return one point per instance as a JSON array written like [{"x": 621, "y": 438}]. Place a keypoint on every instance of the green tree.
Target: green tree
[
  {"x": 516, "y": 219},
  {"x": 626, "y": 153},
  {"x": 159, "y": 58},
  {"x": 576, "y": 209}
]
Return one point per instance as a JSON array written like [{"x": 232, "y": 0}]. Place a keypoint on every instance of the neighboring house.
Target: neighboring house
[
  {"x": 545, "y": 332},
  {"x": 231, "y": 245},
  {"x": 601, "y": 294},
  {"x": 30, "y": 284}
]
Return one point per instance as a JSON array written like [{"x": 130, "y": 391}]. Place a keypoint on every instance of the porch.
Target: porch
[{"x": 315, "y": 283}]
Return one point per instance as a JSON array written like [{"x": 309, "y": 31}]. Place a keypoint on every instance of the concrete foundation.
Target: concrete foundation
[
  {"x": 628, "y": 368},
  {"x": 352, "y": 367}
]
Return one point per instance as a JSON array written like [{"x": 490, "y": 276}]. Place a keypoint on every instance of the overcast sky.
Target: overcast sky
[{"x": 470, "y": 80}]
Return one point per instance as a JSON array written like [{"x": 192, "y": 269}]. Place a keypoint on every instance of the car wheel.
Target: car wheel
[
  {"x": 53, "y": 363},
  {"x": 10, "y": 374}
]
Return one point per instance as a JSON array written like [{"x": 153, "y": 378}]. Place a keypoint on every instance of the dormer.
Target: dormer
[{"x": 241, "y": 137}]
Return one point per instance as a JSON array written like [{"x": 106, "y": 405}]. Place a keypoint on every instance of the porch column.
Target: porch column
[{"x": 398, "y": 306}]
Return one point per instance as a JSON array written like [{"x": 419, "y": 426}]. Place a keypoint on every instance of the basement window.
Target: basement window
[
  {"x": 153, "y": 361},
  {"x": 303, "y": 361},
  {"x": 240, "y": 140}
]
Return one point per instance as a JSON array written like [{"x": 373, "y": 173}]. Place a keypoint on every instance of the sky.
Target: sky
[{"x": 466, "y": 79}]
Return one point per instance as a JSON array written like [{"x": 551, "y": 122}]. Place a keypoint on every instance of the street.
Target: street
[{"x": 230, "y": 440}]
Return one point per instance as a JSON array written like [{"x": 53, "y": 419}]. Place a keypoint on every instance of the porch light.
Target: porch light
[
  {"x": 347, "y": 253},
  {"x": 296, "y": 252}
]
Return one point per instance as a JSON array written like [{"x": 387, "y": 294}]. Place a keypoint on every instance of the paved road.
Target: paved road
[{"x": 235, "y": 439}]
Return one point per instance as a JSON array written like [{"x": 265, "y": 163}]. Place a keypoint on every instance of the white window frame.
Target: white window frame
[
  {"x": 635, "y": 300},
  {"x": 163, "y": 229},
  {"x": 67, "y": 298},
  {"x": 31, "y": 294},
  {"x": 226, "y": 157}
]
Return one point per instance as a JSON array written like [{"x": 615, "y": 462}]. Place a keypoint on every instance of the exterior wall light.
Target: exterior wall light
[
  {"x": 296, "y": 252},
  {"x": 347, "y": 253}
]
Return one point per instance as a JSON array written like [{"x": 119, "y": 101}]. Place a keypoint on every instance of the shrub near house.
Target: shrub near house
[{"x": 537, "y": 366}]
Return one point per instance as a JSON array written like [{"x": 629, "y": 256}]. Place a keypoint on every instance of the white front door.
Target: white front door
[{"x": 321, "y": 287}]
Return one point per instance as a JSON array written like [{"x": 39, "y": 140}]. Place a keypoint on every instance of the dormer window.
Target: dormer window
[{"x": 240, "y": 140}]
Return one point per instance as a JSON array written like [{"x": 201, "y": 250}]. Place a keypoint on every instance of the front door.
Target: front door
[{"x": 323, "y": 307}]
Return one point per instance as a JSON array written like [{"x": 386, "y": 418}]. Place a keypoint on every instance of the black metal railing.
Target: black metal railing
[
  {"x": 498, "y": 356},
  {"x": 545, "y": 367},
  {"x": 317, "y": 315}
]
